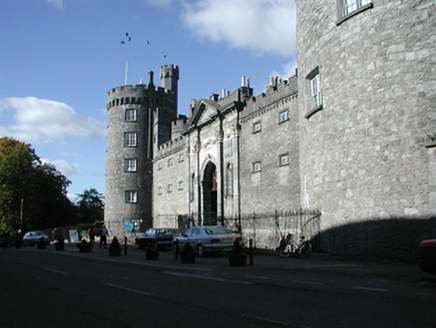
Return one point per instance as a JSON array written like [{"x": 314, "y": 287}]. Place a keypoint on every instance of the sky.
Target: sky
[{"x": 59, "y": 58}]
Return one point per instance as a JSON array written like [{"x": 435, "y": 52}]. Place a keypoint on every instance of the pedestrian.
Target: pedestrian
[
  {"x": 103, "y": 236},
  {"x": 92, "y": 232},
  {"x": 132, "y": 228}
]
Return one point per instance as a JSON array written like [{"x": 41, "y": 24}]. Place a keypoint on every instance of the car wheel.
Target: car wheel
[{"x": 200, "y": 250}]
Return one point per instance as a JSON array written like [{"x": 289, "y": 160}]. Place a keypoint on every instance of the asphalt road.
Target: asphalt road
[{"x": 48, "y": 288}]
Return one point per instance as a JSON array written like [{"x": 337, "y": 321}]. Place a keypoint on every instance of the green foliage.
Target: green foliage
[
  {"x": 29, "y": 187},
  {"x": 90, "y": 206}
]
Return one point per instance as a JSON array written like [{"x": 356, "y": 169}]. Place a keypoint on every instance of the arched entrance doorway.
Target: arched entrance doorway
[{"x": 210, "y": 194}]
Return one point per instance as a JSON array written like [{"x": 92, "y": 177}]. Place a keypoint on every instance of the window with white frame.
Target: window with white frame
[
  {"x": 130, "y": 115},
  {"x": 180, "y": 185},
  {"x": 130, "y": 165},
  {"x": 130, "y": 139},
  {"x": 283, "y": 116},
  {"x": 314, "y": 92},
  {"x": 131, "y": 196},
  {"x": 170, "y": 188},
  {"x": 350, "y": 6},
  {"x": 159, "y": 190},
  {"x": 257, "y": 127},
  {"x": 257, "y": 167},
  {"x": 284, "y": 159}
]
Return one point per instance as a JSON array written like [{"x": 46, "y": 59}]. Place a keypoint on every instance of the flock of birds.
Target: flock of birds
[{"x": 128, "y": 39}]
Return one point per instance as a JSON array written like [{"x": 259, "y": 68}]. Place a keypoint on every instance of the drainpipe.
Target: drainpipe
[
  {"x": 198, "y": 176},
  {"x": 221, "y": 167}
]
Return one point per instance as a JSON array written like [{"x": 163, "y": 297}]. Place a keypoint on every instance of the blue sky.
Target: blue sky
[{"x": 60, "y": 57}]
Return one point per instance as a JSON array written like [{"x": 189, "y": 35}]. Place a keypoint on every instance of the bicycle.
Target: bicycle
[{"x": 289, "y": 246}]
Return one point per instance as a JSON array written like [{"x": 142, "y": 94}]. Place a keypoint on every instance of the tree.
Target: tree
[
  {"x": 90, "y": 206},
  {"x": 32, "y": 195}
]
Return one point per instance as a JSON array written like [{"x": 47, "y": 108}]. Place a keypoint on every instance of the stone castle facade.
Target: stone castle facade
[{"x": 342, "y": 152}]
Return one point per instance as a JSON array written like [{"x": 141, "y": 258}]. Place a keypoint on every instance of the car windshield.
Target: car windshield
[
  {"x": 216, "y": 230},
  {"x": 150, "y": 232}
]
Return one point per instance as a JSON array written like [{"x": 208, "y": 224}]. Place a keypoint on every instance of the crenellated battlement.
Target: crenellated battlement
[
  {"x": 174, "y": 145},
  {"x": 138, "y": 94}
]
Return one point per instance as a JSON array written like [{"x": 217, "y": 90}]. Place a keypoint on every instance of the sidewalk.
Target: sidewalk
[{"x": 262, "y": 260}]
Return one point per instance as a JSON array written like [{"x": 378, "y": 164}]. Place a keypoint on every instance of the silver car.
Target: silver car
[
  {"x": 34, "y": 237},
  {"x": 208, "y": 239}
]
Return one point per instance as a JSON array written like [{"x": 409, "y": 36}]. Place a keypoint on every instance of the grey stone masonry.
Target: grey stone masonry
[{"x": 362, "y": 155}]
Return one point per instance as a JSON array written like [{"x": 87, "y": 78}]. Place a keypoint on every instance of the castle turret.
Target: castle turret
[{"x": 139, "y": 117}]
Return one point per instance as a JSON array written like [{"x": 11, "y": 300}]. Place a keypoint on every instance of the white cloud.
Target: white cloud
[
  {"x": 66, "y": 168},
  {"x": 288, "y": 70},
  {"x": 59, "y": 4},
  {"x": 264, "y": 26},
  {"x": 41, "y": 121}
]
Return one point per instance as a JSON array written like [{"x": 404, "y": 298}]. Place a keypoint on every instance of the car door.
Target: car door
[
  {"x": 194, "y": 237},
  {"x": 184, "y": 238}
]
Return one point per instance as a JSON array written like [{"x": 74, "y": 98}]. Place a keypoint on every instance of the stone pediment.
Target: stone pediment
[{"x": 205, "y": 112}]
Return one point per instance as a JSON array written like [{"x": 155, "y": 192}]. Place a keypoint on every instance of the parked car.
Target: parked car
[
  {"x": 208, "y": 239},
  {"x": 33, "y": 237},
  {"x": 163, "y": 237},
  {"x": 427, "y": 255}
]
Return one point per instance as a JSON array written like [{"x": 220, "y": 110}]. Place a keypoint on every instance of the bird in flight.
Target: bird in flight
[{"x": 128, "y": 38}]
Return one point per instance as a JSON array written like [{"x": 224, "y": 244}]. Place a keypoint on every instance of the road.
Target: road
[{"x": 70, "y": 289}]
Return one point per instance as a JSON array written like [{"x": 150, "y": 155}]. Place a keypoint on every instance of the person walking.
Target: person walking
[
  {"x": 103, "y": 236},
  {"x": 92, "y": 232}
]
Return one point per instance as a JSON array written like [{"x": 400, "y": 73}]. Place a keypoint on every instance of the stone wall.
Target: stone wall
[
  {"x": 273, "y": 144},
  {"x": 362, "y": 156}
]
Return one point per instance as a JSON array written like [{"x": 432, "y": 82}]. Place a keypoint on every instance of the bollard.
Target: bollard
[
  {"x": 251, "y": 251},
  {"x": 176, "y": 249},
  {"x": 125, "y": 245}
]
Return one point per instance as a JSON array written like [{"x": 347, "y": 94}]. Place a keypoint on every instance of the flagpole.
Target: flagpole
[{"x": 125, "y": 75}]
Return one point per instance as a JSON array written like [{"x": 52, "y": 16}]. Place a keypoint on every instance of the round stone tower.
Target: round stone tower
[
  {"x": 366, "y": 101},
  {"x": 132, "y": 135}
]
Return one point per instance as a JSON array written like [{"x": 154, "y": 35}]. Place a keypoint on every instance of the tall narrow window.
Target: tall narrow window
[
  {"x": 130, "y": 139},
  {"x": 315, "y": 92}
]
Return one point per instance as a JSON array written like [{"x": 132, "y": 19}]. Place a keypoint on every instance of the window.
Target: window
[
  {"x": 180, "y": 183},
  {"x": 170, "y": 162},
  {"x": 181, "y": 158},
  {"x": 283, "y": 116},
  {"x": 170, "y": 188},
  {"x": 314, "y": 86},
  {"x": 159, "y": 190},
  {"x": 130, "y": 139},
  {"x": 257, "y": 127},
  {"x": 256, "y": 167},
  {"x": 283, "y": 160},
  {"x": 131, "y": 196},
  {"x": 349, "y": 8},
  {"x": 130, "y": 165},
  {"x": 159, "y": 166},
  {"x": 130, "y": 115},
  {"x": 315, "y": 94}
]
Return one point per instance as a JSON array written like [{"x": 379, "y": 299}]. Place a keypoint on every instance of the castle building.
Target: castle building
[
  {"x": 139, "y": 121},
  {"x": 342, "y": 152}
]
